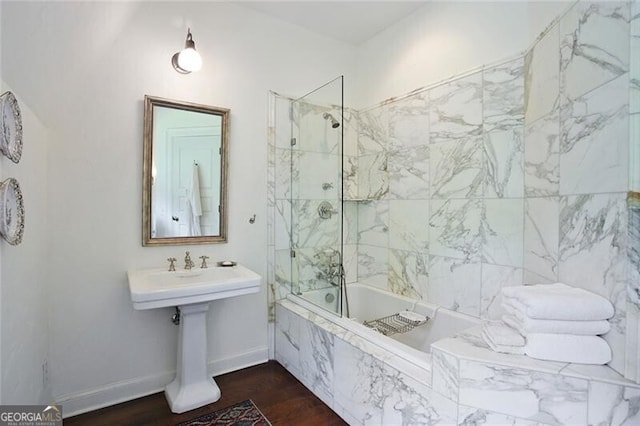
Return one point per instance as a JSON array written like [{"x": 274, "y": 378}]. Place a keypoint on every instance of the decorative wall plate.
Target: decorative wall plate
[
  {"x": 10, "y": 127},
  {"x": 11, "y": 211}
]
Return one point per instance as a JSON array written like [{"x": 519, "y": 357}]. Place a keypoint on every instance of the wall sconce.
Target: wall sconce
[{"x": 187, "y": 60}]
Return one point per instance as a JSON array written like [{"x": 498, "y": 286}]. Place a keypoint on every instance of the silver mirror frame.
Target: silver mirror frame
[{"x": 149, "y": 103}]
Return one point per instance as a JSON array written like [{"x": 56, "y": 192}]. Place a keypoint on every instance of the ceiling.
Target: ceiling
[{"x": 350, "y": 21}]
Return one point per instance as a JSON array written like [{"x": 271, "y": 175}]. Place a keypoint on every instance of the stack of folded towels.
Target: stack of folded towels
[{"x": 553, "y": 322}]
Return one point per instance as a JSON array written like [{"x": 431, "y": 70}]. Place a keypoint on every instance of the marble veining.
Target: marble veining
[
  {"x": 350, "y": 122},
  {"x": 350, "y": 177},
  {"x": 455, "y": 229},
  {"x": 310, "y": 273},
  {"x": 374, "y": 393},
  {"x": 494, "y": 278},
  {"x": 373, "y": 223},
  {"x": 373, "y": 265},
  {"x": 309, "y": 230},
  {"x": 471, "y": 416},
  {"x": 282, "y": 273},
  {"x": 408, "y": 228},
  {"x": 633, "y": 289},
  {"x": 350, "y": 262},
  {"x": 409, "y": 122},
  {"x": 594, "y": 141},
  {"x": 411, "y": 403},
  {"x": 455, "y": 109},
  {"x": 408, "y": 173},
  {"x": 350, "y": 222},
  {"x": 503, "y": 163},
  {"x": 542, "y": 77},
  {"x": 282, "y": 173},
  {"x": 542, "y": 156},
  {"x": 503, "y": 96},
  {"x": 593, "y": 243},
  {"x": 313, "y": 170},
  {"x": 445, "y": 374},
  {"x": 594, "y": 46},
  {"x": 502, "y": 230},
  {"x": 317, "y": 360},
  {"x": 287, "y": 346},
  {"x": 543, "y": 397},
  {"x": 634, "y": 62},
  {"x": 455, "y": 284},
  {"x": 373, "y": 176},
  {"x": 541, "y": 240},
  {"x": 408, "y": 273},
  {"x": 611, "y": 404},
  {"x": 373, "y": 130},
  {"x": 360, "y": 388},
  {"x": 456, "y": 168}
]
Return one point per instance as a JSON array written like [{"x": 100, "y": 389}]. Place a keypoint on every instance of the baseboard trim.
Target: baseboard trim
[{"x": 126, "y": 390}]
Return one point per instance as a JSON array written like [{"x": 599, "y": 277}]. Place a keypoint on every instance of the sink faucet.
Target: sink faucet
[
  {"x": 188, "y": 263},
  {"x": 172, "y": 266}
]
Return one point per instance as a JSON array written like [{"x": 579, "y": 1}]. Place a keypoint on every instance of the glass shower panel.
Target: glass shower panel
[{"x": 316, "y": 195}]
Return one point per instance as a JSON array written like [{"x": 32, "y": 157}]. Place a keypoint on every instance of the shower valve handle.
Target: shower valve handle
[{"x": 325, "y": 210}]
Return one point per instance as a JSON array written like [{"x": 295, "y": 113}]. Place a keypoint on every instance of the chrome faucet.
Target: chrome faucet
[{"x": 188, "y": 263}]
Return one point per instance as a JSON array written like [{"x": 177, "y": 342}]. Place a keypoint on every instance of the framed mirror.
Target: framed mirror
[{"x": 184, "y": 195}]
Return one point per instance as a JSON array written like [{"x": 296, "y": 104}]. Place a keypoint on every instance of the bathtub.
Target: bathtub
[
  {"x": 367, "y": 303},
  {"x": 364, "y": 376},
  {"x": 427, "y": 377},
  {"x": 327, "y": 298}
]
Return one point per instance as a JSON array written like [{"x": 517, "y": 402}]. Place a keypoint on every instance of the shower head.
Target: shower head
[{"x": 334, "y": 123}]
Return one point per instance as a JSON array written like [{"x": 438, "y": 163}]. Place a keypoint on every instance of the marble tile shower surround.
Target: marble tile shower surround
[{"x": 516, "y": 173}]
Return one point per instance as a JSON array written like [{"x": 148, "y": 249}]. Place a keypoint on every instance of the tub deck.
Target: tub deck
[{"x": 449, "y": 378}]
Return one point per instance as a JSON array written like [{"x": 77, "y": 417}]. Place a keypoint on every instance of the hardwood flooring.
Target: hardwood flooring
[{"x": 280, "y": 396}]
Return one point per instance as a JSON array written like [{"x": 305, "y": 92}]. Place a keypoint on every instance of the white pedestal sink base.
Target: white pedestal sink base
[{"x": 193, "y": 387}]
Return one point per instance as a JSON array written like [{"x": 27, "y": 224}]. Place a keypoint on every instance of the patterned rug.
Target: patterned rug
[{"x": 244, "y": 413}]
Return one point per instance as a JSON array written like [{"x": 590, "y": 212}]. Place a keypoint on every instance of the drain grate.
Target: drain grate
[{"x": 397, "y": 323}]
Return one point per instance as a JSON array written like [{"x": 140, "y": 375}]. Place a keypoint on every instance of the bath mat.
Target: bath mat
[{"x": 244, "y": 413}]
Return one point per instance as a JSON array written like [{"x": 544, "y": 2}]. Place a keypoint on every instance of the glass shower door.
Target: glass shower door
[{"x": 316, "y": 195}]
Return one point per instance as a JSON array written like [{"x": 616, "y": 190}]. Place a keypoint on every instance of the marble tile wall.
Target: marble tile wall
[
  {"x": 518, "y": 172},
  {"x": 633, "y": 311},
  {"x": 442, "y": 172},
  {"x": 493, "y": 388},
  {"x": 302, "y": 175},
  {"x": 515, "y": 174},
  {"x": 576, "y": 156}
]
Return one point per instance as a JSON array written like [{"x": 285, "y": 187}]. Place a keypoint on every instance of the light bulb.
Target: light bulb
[{"x": 189, "y": 60}]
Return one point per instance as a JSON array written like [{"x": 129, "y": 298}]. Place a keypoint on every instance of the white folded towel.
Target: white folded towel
[
  {"x": 568, "y": 348},
  {"x": 505, "y": 349},
  {"x": 558, "y": 302},
  {"x": 501, "y": 334},
  {"x": 525, "y": 325}
]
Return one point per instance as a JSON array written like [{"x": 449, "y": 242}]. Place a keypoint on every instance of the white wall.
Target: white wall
[
  {"x": 1, "y": 90},
  {"x": 443, "y": 39},
  {"x": 25, "y": 287},
  {"x": 84, "y": 69}
]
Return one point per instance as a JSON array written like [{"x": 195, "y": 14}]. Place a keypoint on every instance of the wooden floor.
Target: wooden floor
[{"x": 279, "y": 396}]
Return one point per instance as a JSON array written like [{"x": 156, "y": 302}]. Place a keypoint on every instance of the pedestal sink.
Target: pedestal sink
[{"x": 191, "y": 291}]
